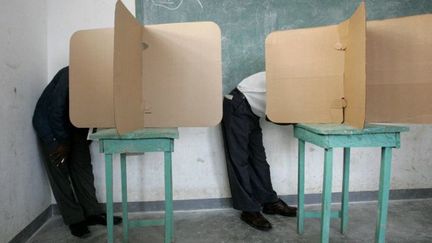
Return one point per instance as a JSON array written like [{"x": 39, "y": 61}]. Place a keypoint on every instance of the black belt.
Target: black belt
[{"x": 237, "y": 92}]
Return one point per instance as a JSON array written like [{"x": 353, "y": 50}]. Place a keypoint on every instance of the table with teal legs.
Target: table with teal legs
[
  {"x": 140, "y": 141},
  {"x": 329, "y": 136}
]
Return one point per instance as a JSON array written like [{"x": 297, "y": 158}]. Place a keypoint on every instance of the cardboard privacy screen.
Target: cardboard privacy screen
[
  {"x": 318, "y": 74},
  {"x": 399, "y": 70},
  {"x": 352, "y": 72},
  {"x": 136, "y": 76}
]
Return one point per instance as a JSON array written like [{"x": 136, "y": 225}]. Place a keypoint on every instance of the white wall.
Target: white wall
[
  {"x": 199, "y": 164},
  {"x": 411, "y": 164},
  {"x": 66, "y": 17},
  {"x": 24, "y": 190}
]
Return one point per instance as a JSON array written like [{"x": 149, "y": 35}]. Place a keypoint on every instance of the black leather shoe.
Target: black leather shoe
[
  {"x": 256, "y": 220},
  {"x": 101, "y": 219},
  {"x": 279, "y": 207},
  {"x": 79, "y": 229}
]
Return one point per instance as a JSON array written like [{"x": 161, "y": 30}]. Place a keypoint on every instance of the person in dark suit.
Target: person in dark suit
[
  {"x": 248, "y": 170},
  {"x": 67, "y": 158}
]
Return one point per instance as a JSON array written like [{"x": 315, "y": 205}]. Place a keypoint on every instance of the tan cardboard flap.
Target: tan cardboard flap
[
  {"x": 304, "y": 73},
  {"x": 355, "y": 67},
  {"x": 315, "y": 73},
  {"x": 399, "y": 70},
  {"x": 90, "y": 78},
  {"x": 127, "y": 71},
  {"x": 166, "y": 75},
  {"x": 182, "y": 74},
  {"x": 154, "y": 76}
]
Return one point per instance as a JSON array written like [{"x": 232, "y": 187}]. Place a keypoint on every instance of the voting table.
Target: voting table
[
  {"x": 329, "y": 136},
  {"x": 139, "y": 141}
]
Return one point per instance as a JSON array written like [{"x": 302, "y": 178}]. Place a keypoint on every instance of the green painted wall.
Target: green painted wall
[{"x": 246, "y": 23}]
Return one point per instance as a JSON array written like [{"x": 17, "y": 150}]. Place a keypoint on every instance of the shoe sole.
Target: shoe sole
[
  {"x": 84, "y": 236},
  {"x": 285, "y": 215},
  {"x": 257, "y": 227}
]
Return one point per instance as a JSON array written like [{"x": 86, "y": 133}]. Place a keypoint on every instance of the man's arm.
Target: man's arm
[
  {"x": 59, "y": 118},
  {"x": 280, "y": 124},
  {"x": 59, "y": 107}
]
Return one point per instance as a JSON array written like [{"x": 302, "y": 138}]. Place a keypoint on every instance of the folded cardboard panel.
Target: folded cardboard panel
[
  {"x": 352, "y": 34},
  {"x": 399, "y": 70},
  {"x": 386, "y": 77},
  {"x": 312, "y": 74},
  {"x": 166, "y": 75},
  {"x": 178, "y": 74},
  {"x": 128, "y": 86},
  {"x": 192, "y": 95},
  {"x": 91, "y": 79},
  {"x": 303, "y": 83}
]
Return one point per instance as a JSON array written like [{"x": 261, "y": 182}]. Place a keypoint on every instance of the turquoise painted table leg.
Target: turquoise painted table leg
[
  {"x": 124, "y": 197},
  {"x": 300, "y": 186},
  {"x": 326, "y": 195},
  {"x": 345, "y": 190},
  {"x": 384, "y": 187},
  {"x": 169, "y": 223},
  {"x": 109, "y": 196}
]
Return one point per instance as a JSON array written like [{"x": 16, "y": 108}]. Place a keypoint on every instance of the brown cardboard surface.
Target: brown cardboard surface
[
  {"x": 166, "y": 75},
  {"x": 127, "y": 71},
  {"x": 399, "y": 70},
  {"x": 311, "y": 73},
  {"x": 304, "y": 75},
  {"x": 90, "y": 78},
  {"x": 354, "y": 35},
  {"x": 182, "y": 74},
  {"x": 174, "y": 71},
  {"x": 386, "y": 77},
  {"x": 314, "y": 74}
]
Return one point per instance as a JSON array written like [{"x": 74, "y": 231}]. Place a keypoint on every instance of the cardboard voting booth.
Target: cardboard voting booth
[
  {"x": 135, "y": 76},
  {"x": 352, "y": 73}
]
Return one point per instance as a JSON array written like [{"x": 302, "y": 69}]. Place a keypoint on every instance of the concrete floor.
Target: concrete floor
[{"x": 408, "y": 221}]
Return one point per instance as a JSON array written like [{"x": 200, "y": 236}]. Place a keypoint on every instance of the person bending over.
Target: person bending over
[
  {"x": 67, "y": 158},
  {"x": 248, "y": 170}
]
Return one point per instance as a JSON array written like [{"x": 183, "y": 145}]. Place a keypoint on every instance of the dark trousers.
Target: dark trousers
[
  {"x": 72, "y": 183},
  {"x": 248, "y": 170}
]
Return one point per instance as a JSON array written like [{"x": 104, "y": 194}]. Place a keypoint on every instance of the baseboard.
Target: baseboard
[
  {"x": 191, "y": 204},
  {"x": 364, "y": 196},
  {"x": 34, "y": 226},
  {"x": 220, "y": 203}
]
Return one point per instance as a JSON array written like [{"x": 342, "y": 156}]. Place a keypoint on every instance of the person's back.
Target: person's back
[{"x": 51, "y": 116}]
